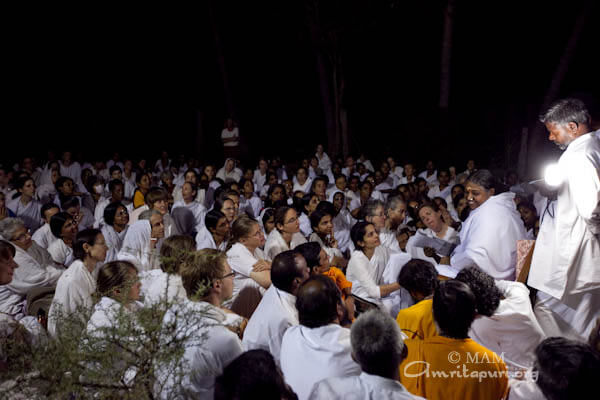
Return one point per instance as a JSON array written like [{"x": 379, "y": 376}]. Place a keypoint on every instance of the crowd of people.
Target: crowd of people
[{"x": 322, "y": 278}]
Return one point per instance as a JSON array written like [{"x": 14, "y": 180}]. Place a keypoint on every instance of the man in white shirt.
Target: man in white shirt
[
  {"x": 378, "y": 347},
  {"x": 277, "y": 310},
  {"x": 565, "y": 267},
  {"x": 319, "y": 347}
]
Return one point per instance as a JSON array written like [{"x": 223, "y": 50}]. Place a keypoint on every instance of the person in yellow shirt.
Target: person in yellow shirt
[
  {"x": 451, "y": 365},
  {"x": 318, "y": 262},
  {"x": 419, "y": 278}
]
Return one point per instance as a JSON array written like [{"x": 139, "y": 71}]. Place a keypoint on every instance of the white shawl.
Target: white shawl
[
  {"x": 136, "y": 247},
  {"x": 114, "y": 241}
]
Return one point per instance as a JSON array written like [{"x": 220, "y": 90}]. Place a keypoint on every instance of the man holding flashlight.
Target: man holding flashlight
[{"x": 566, "y": 262}]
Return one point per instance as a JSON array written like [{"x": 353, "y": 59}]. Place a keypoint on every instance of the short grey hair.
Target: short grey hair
[
  {"x": 377, "y": 343},
  {"x": 370, "y": 207},
  {"x": 393, "y": 203},
  {"x": 148, "y": 214},
  {"x": 8, "y": 227},
  {"x": 567, "y": 110}
]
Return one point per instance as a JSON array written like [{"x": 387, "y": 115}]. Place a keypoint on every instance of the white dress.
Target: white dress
[
  {"x": 73, "y": 294},
  {"x": 241, "y": 261},
  {"x": 276, "y": 244},
  {"x": 309, "y": 355},
  {"x": 366, "y": 275},
  {"x": 489, "y": 237}
]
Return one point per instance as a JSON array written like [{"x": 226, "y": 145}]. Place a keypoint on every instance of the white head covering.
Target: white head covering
[
  {"x": 332, "y": 195},
  {"x": 233, "y": 175},
  {"x": 136, "y": 245}
]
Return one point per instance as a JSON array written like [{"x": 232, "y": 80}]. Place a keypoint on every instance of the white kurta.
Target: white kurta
[
  {"x": 366, "y": 275},
  {"x": 489, "y": 237},
  {"x": 309, "y": 355},
  {"x": 114, "y": 241},
  {"x": 399, "y": 299},
  {"x": 61, "y": 253},
  {"x": 275, "y": 313},
  {"x": 73, "y": 294},
  {"x": 34, "y": 271},
  {"x": 276, "y": 244},
  {"x": 513, "y": 330},
  {"x": 361, "y": 387},
  {"x": 136, "y": 247},
  {"x": 29, "y": 213},
  {"x": 241, "y": 261},
  {"x": 43, "y": 236},
  {"x": 209, "y": 348}
]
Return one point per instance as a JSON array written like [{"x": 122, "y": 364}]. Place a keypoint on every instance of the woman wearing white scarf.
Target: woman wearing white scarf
[
  {"x": 139, "y": 245},
  {"x": 115, "y": 228},
  {"x": 229, "y": 172},
  {"x": 286, "y": 234},
  {"x": 189, "y": 191},
  {"x": 324, "y": 160},
  {"x": 46, "y": 191},
  {"x": 367, "y": 265},
  {"x": 342, "y": 221}
]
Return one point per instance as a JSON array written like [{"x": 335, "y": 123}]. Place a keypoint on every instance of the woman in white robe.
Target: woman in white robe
[
  {"x": 24, "y": 205},
  {"x": 43, "y": 236},
  {"x": 116, "y": 220},
  {"x": 250, "y": 203},
  {"x": 286, "y": 234},
  {"x": 46, "y": 191},
  {"x": 246, "y": 257},
  {"x": 189, "y": 192},
  {"x": 229, "y": 172},
  {"x": 374, "y": 212},
  {"x": 301, "y": 181},
  {"x": 259, "y": 177},
  {"x": 309, "y": 203},
  {"x": 215, "y": 232},
  {"x": 342, "y": 221},
  {"x": 73, "y": 296},
  {"x": 437, "y": 227},
  {"x": 323, "y": 158},
  {"x": 489, "y": 236},
  {"x": 139, "y": 247},
  {"x": 323, "y": 234},
  {"x": 64, "y": 228},
  {"x": 367, "y": 265}
]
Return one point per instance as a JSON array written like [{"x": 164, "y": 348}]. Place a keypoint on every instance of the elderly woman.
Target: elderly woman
[
  {"x": 286, "y": 234},
  {"x": 73, "y": 296},
  {"x": 246, "y": 257},
  {"x": 36, "y": 268},
  {"x": 489, "y": 236},
  {"x": 23, "y": 204},
  {"x": 64, "y": 228},
  {"x": 116, "y": 218},
  {"x": 367, "y": 264}
]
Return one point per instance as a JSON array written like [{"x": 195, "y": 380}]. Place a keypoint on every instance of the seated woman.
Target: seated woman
[
  {"x": 267, "y": 220},
  {"x": 301, "y": 180},
  {"x": 81, "y": 215},
  {"x": 76, "y": 285},
  {"x": 322, "y": 227},
  {"x": 275, "y": 194},
  {"x": 143, "y": 183},
  {"x": 46, "y": 191},
  {"x": 116, "y": 220},
  {"x": 259, "y": 176},
  {"x": 489, "y": 236},
  {"x": 431, "y": 216},
  {"x": 342, "y": 220},
  {"x": 189, "y": 191},
  {"x": 319, "y": 187},
  {"x": 43, "y": 237},
  {"x": 36, "y": 268},
  {"x": 246, "y": 257},
  {"x": 140, "y": 245},
  {"x": 164, "y": 285},
  {"x": 286, "y": 234},
  {"x": 24, "y": 205},
  {"x": 215, "y": 233},
  {"x": 64, "y": 228},
  {"x": 304, "y": 209},
  {"x": 318, "y": 263},
  {"x": 367, "y": 264},
  {"x": 229, "y": 172},
  {"x": 65, "y": 188},
  {"x": 365, "y": 191},
  {"x": 374, "y": 212},
  {"x": 250, "y": 203},
  {"x": 5, "y": 211}
]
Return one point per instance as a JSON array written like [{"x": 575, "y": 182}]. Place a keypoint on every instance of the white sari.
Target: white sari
[{"x": 366, "y": 275}]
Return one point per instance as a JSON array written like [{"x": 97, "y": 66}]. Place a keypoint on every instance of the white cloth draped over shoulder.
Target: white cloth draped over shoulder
[
  {"x": 275, "y": 244},
  {"x": 303, "y": 187},
  {"x": 513, "y": 329},
  {"x": 324, "y": 161},
  {"x": 209, "y": 347},
  {"x": 489, "y": 237},
  {"x": 366, "y": 275},
  {"x": 61, "y": 253},
  {"x": 205, "y": 240},
  {"x": 29, "y": 213},
  {"x": 233, "y": 175},
  {"x": 73, "y": 294},
  {"x": 36, "y": 269},
  {"x": 275, "y": 313},
  {"x": 242, "y": 261},
  {"x": 114, "y": 241},
  {"x": 136, "y": 247},
  {"x": 309, "y": 355},
  {"x": 305, "y": 227},
  {"x": 44, "y": 236},
  {"x": 399, "y": 299}
]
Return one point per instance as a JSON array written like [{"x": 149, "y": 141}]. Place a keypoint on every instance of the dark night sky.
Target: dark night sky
[{"x": 136, "y": 80}]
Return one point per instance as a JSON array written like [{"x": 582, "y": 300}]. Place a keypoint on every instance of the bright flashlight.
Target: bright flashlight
[{"x": 553, "y": 175}]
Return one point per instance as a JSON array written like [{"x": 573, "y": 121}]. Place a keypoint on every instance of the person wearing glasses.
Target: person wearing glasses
[
  {"x": 286, "y": 235},
  {"x": 36, "y": 268}
]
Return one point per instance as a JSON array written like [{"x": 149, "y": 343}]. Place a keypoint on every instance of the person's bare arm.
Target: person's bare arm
[
  {"x": 262, "y": 278},
  {"x": 388, "y": 289}
]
